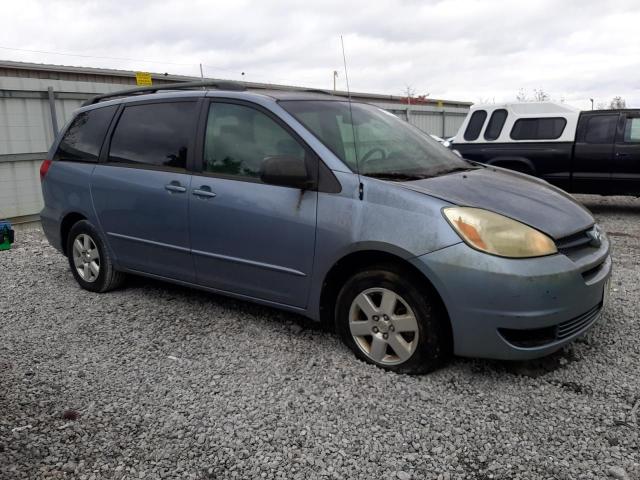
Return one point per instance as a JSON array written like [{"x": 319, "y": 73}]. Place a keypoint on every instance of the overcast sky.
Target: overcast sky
[{"x": 453, "y": 49}]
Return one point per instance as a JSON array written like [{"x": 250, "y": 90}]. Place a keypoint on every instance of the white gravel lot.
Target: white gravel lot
[{"x": 159, "y": 381}]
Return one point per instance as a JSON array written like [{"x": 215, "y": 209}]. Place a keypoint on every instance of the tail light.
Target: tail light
[{"x": 44, "y": 168}]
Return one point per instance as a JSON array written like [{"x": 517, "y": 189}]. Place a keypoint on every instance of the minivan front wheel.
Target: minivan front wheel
[
  {"x": 89, "y": 259},
  {"x": 387, "y": 319}
]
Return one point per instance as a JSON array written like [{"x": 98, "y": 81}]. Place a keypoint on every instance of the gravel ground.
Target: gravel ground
[{"x": 158, "y": 381}]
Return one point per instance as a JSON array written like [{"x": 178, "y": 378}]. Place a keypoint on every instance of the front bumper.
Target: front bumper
[{"x": 518, "y": 309}]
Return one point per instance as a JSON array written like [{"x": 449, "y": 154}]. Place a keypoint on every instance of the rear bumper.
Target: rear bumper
[
  {"x": 518, "y": 309},
  {"x": 51, "y": 228}
]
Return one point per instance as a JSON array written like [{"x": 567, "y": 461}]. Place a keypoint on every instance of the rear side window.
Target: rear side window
[
  {"x": 496, "y": 122},
  {"x": 475, "y": 125},
  {"x": 538, "y": 128},
  {"x": 83, "y": 139},
  {"x": 155, "y": 134},
  {"x": 239, "y": 138},
  {"x": 601, "y": 129},
  {"x": 632, "y": 130}
]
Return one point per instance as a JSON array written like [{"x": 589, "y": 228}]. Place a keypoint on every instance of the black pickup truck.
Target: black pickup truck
[{"x": 580, "y": 152}]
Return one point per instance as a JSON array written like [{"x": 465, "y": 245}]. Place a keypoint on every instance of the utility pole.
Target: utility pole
[
  {"x": 591, "y": 103},
  {"x": 335, "y": 75}
]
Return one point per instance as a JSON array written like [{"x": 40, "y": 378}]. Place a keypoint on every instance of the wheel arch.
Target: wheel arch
[
  {"x": 68, "y": 221},
  {"x": 353, "y": 262}
]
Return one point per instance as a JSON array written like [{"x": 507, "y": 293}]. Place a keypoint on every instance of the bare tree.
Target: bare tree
[
  {"x": 521, "y": 96},
  {"x": 409, "y": 93},
  {"x": 617, "y": 103},
  {"x": 539, "y": 95}
]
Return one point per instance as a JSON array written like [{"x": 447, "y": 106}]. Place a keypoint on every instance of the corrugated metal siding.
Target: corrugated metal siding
[
  {"x": 452, "y": 125},
  {"x": 429, "y": 122},
  {"x": 25, "y": 126},
  {"x": 20, "y": 192}
]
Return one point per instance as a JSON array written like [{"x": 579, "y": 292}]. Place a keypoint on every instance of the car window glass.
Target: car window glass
[
  {"x": 475, "y": 125},
  {"x": 496, "y": 122},
  {"x": 83, "y": 139},
  {"x": 384, "y": 144},
  {"x": 238, "y": 138},
  {"x": 155, "y": 134},
  {"x": 601, "y": 129},
  {"x": 632, "y": 130},
  {"x": 538, "y": 128}
]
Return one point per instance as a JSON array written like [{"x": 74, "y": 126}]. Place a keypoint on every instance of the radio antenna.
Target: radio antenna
[{"x": 353, "y": 127}]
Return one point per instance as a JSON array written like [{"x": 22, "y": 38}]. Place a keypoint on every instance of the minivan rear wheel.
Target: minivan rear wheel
[
  {"x": 384, "y": 316},
  {"x": 89, "y": 259}
]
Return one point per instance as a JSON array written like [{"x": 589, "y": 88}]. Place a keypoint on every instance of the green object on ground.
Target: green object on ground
[{"x": 7, "y": 235}]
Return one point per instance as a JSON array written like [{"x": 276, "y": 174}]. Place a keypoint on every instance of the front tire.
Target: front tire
[
  {"x": 387, "y": 319},
  {"x": 89, "y": 259}
]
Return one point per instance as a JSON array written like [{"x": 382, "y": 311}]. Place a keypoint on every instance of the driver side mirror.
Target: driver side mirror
[{"x": 286, "y": 172}]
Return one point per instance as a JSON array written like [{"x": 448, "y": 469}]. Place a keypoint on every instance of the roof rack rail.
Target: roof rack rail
[
  {"x": 220, "y": 85},
  {"x": 318, "y": 90}
]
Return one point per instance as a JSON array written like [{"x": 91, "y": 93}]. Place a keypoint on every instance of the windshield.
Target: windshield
[{"x": 378, "y": 143}]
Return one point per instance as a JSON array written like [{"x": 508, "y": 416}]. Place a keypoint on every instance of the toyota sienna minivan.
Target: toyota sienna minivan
[{"x": 335, "y": 210}]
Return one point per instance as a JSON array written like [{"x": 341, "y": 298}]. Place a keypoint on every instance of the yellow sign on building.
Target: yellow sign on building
[{"x": 143, "y": 79}]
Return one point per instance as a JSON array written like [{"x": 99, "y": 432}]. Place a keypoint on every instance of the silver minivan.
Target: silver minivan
[{"x": 336, "y": 210}]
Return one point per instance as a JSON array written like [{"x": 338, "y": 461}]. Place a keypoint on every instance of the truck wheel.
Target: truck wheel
[
  {"x": 389, "y": 322},
  {"x": 89, "y": 259}
]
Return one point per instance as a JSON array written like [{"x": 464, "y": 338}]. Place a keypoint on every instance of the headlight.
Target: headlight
[{"x": 499, "y": 235}]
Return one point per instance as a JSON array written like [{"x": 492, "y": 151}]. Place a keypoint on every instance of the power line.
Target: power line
[{"x": 96, "y": 56}]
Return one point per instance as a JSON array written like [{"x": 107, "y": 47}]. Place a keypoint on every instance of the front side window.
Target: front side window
[
  {"x": 601, "y": 129},
  {"x": 156, "y": 134},
  {"x": 83, "y": 139},
  {"x": 496, "y": 122},
  {"x": 238, "y": 139},
  {"x": 538, "y": 128},
  {"x": 632, "y": 130},
  {"x": 475, "y": 125},
  {"x": 372, "y": 141}
]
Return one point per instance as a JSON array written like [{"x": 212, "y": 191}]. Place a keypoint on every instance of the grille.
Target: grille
[
  {"x": 570, "y": 327},
  {"x": 538, "y": 337},
  {"x": 575, "y": 241}
]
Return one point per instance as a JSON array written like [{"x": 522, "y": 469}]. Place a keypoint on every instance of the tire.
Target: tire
[
  {"x": 90, "y": 262},
  {"x": 426, "y": 341}
]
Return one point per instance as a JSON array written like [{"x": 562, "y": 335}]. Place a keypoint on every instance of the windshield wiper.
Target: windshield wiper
[{"x": 398, "y": 176}]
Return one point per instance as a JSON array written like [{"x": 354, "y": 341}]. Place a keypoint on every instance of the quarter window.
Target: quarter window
[
  {"x": 632, "y": 130},
  {"x": 601, "y": 129},
  {"x": 238, "y": 138},
  {"x": 155, "y": 134},
  {"x": 83, "y": 138},
  {"x": 538, "y": 128},
  {"x": 496, "y": 122},
  {"x": 475, "y": 125}
]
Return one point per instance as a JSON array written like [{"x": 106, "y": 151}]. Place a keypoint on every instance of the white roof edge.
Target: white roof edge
[{"x": 533, "y": 107}]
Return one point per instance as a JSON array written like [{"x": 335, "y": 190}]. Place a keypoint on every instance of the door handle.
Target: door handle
[
  {"x": 175, "y": 187},
  {"x": 204, "y": 192},
  {"x": 622, "y": 155}
]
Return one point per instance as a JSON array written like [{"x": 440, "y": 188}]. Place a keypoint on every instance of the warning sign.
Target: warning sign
[{"x": 143, "y": 79}]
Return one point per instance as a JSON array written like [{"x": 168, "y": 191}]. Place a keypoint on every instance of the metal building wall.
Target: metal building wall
[{"x": 441, "y": 121}]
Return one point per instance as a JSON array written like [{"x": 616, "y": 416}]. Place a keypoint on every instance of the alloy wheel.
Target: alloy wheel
[
  {"x": 384, "y": 326},
  {"x": 86, "y": 258}
]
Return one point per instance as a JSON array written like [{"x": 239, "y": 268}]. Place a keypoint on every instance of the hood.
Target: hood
[{"x": 521, "y": 197}]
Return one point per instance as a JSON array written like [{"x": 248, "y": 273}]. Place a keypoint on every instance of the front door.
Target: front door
[
  {"x": 593, "y": 154},
  {"x": 625, "y": 174},
  {"x": 141, "y": 192},
  {"x": 248, "y": 237}
]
